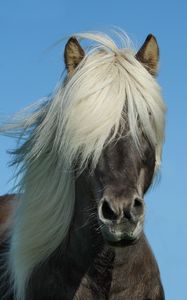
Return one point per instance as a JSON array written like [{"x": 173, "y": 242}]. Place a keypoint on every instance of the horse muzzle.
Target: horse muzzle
[{"x": 121, "y": 220}]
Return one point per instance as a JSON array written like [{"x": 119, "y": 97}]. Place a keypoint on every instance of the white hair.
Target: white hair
[{"x": 108, "y": 90}]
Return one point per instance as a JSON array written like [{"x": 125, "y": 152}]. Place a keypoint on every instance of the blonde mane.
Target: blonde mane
[{"x": 108, "y": 90}]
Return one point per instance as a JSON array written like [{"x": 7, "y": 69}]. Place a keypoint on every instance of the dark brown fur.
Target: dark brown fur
[{"x": 6, "y": 207}]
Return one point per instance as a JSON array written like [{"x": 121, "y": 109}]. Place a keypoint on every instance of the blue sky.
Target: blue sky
[{"x": 30, "y": 70}]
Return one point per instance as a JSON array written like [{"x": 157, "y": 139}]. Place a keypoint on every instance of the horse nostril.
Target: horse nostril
[
  {"x": 138, "y": 205},
  {"x": 107, "y": 212}
]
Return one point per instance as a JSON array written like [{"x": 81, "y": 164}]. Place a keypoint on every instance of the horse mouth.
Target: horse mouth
[{"x": 114, "y": 235}]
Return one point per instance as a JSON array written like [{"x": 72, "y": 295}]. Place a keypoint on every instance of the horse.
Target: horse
[{"x": 87, "y": 155}]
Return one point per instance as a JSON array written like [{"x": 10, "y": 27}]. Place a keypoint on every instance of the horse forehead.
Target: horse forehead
[{"x": 121, "y": 156}]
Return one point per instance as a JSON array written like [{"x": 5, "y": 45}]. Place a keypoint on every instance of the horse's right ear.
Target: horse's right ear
[
  {"x": 73, "y": 55},
  {"x": 148, "y": 54}
]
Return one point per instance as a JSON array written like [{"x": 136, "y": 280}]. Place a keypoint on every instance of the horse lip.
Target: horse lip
[{"x": 114, "y": 235}]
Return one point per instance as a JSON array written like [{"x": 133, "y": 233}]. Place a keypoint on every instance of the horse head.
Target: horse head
[{"x": 123, "y": 173}]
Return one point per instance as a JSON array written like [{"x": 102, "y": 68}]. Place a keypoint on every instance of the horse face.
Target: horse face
[{"x": 121, "y": 179}]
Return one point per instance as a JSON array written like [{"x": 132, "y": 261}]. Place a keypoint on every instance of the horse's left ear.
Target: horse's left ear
[
  {"x": 148, "y": 54},
  {"x": 73, "y": 55}
]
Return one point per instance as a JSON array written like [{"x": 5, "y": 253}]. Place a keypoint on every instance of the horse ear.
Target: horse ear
[
  {"x": 73, "y": 55},
  {"x": 148, "y": 54}
]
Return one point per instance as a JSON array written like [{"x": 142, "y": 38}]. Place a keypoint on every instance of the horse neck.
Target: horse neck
[{"x": 84, "y": 233}]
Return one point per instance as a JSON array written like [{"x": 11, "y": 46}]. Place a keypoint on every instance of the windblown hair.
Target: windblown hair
[{"x": 109, "y": 90}]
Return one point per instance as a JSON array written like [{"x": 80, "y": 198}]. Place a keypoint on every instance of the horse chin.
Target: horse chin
[{"x": 113, "y": 236}]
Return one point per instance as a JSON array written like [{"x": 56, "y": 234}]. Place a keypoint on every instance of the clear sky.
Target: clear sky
[{"x": 30, "y": 70}]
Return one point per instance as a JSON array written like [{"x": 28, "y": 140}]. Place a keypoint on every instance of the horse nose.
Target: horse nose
[
  {"x": 108, "y": 212},
  {"x": 120, "y": 211},
  {"x": 138, "y": 207}
]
